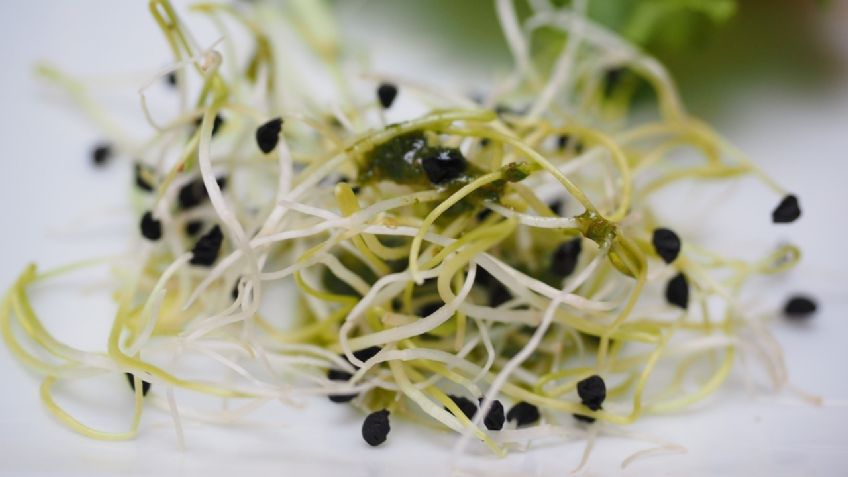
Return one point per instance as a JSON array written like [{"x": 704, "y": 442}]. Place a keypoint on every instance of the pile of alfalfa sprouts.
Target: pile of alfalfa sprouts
[{"x": 490, "y": 268}]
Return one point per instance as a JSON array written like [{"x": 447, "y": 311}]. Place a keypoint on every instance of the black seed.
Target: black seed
[
  {"x": 501, "y": 109},
  {"x": 523, "y": 413},
  {"x": 429, "y": 309},
  {"x": 677, "y": 291},
  {"x": 562, "y": 141},
  {"x": 376, "y": 427},
  {"x": 592, "y": 392},
  {"x": 268, "y": 134},
  {"x": 787, "y": 211},
  {"x": 151, "y": 229},
  {"x": 141, "y": 177},
  {"x": 194, "y": 193},
  {"x": 484, "y": 142},
  {"x": 386, "y": 93},
  {"x": 667, "y": 244},
  {"x": 171, "y": 79},
  {"x": 341, "y": 398},
  {"x": 216, "y": 125},
  {"x": 800, "y": 307},
  {"x": 483, "y": 277},
  {"x": 444, "y": 165},
  {"x": 101, "y": 154},
  {"x": 219, "y": 121},
  {"x": 338, "y": 375},
  {"x": 565, "y": 257},
  {"x": 206, "y": 250},
  {"x": 557, "y": 206},
  {"x": 612, "y": 78},
  {"x": 235, "y": 291},
  {"x": 145, "y": 386},
  {"x": 193, "y": 227},
  {"x": 497, "y": 292},
  {"x": 483, "y": 214},
  {"x": 367, "y": 353},
  {"x": 465, "y": 405},
  {"x": 494, "y": 419},
  {"x": 582, "y": 418}
]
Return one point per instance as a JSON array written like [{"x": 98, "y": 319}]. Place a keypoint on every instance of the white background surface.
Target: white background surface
[{"x": 46, "y": 184}]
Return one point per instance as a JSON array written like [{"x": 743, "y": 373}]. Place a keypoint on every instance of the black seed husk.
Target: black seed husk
[
  {"x": 268, "y": 134},
  {"x": 677, "y": 291},
  {"x": 386, "y": 93},
  {"x": 101, "y": 154},
  {"x": 465, "y": 405},
  {"x": 193, "y": 227},
  {"x": 800, "y": 307},
  {"x": 494, "y": 419},
  {"x": 145, "y": 386},
  {"x": 367, "y": 353},
  {"x": 151, "y": 229},
  {"x": 592, "y": 392},
  {"x": 666, "y": 244},
  {"x": 206, "y": 250},
  {"x": 443, "y": 165},
  {"x": 339, "y": 375},
  {"x": 376, "y": 427},
  {"x": 787, "y": 211},
  {"x": 523, "y": 413},
  {"x": 565, "y": 257}
]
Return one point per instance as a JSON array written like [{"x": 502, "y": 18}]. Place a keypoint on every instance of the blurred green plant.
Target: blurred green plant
[{"x": 711, "y": 47}]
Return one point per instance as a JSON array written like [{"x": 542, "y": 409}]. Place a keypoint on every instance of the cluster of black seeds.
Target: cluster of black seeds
[{"x": 798, "y": 307}]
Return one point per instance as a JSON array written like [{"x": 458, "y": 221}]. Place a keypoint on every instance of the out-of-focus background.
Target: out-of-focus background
[{"x": 772, "y": 75}]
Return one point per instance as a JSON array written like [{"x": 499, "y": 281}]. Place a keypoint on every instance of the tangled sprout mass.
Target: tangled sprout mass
[{"x": 491, "y": 267}]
